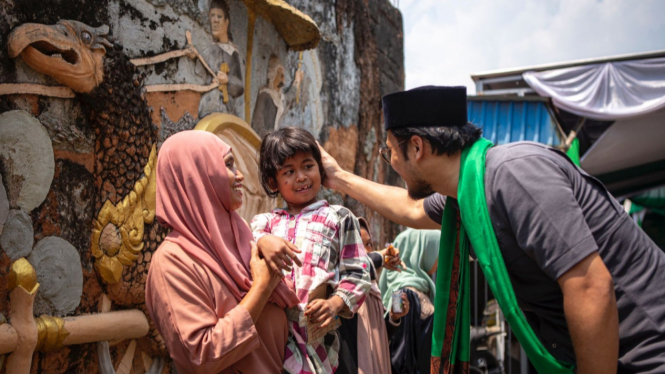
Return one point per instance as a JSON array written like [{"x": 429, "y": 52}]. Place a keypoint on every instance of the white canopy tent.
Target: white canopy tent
[
  {"x": 631, "y": 93},
  {"x": 606, "y": 91}
]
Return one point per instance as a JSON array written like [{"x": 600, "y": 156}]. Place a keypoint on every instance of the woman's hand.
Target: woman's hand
[
  {"x": 262, "y": 275},
  {"x": 323, "y": 312},
  {"x": 405, "y": 309},
  {"x": 280, "y": 254}
]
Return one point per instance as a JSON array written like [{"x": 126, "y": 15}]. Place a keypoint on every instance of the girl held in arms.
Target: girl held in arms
[{"x": 330, "y": 275}]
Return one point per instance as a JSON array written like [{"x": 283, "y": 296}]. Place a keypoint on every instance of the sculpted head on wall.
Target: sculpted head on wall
[{"x": 70, "y": 51}]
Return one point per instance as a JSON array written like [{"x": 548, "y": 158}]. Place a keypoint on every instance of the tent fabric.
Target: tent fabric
[{"x": 607, "y": 91}]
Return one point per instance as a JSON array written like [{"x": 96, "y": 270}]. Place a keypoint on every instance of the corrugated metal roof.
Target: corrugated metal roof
[{"x": 507, "y": 121}]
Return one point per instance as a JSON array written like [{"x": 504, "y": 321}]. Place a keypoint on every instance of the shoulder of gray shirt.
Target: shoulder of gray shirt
[{"x": 496, "y": 156}]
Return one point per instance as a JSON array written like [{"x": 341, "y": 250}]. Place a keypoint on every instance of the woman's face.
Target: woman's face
[
  {"x": 367, "y": 240},
  {"x": 235, "y": 181}
]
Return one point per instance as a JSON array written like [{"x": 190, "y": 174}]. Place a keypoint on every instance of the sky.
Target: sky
[{"x": 448, "y": 40}]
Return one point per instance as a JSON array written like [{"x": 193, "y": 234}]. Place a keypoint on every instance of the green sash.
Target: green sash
[{"x": 450, "y": 338}]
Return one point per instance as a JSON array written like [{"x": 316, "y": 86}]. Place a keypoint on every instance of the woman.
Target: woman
[
  {"x": 411, "y": 340},
  {"x": 217, "y": 305}
]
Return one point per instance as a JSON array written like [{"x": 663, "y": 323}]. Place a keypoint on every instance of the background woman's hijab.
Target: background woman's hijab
[
  {"x": 419, "y": 249},
  {"x": 194, "y": 198}
]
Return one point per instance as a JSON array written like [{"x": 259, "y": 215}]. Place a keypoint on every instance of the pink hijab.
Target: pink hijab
[{"x": 193, "y": 198}]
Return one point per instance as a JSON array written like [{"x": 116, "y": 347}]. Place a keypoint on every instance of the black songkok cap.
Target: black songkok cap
[{"x": 428, "y": 106}]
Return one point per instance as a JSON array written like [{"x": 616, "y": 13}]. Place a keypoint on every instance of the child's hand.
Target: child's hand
[
  {"x": 278, "y": 253},
  {"x": 323, "y": 312}
]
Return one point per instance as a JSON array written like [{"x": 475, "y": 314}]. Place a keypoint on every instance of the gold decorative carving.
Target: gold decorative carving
[
  {"x": 224, "y": 68},
  {"x": 51, "y": 333},
  {"x": 23, "y": 275},
  {"x": 70, "y": 51},
  {"x": 117, "y": 235}
]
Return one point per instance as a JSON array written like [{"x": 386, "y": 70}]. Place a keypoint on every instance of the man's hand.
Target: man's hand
[
  {"x": 590, "y": 307},
  {"x": 331, "y": 168},
  {"x": 280, "y": 254},
  {"x": 323, "y": 312}
]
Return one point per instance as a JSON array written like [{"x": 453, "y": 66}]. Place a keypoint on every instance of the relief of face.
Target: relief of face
[
  {"x": 219, "y": 25},
  {"x": 279, "y": 78}
]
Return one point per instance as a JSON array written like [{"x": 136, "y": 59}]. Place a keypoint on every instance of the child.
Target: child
[{"x": 334, "y": 277}]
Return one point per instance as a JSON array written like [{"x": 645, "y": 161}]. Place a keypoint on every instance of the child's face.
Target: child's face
[{"x": 299, "y": 180}]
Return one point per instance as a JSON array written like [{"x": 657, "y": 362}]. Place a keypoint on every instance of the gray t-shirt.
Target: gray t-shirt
[{"x": 548, "y": 215}]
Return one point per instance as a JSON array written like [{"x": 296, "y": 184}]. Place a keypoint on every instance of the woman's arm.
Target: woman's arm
[{"x": 184, "y": 311}]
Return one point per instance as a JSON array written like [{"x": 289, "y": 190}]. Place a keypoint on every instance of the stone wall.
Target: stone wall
[{"x": 68, "y": 163}]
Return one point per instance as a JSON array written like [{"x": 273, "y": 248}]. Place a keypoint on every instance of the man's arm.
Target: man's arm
[
  {"x": 591, "y": 312},
  {"x": 391, "y": 202}
]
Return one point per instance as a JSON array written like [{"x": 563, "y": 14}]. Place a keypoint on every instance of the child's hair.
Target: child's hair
[{"x": 280, "y": 145}]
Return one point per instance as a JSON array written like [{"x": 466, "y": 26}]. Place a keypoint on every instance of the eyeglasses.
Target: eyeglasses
[{"x": 386, "y": 152}]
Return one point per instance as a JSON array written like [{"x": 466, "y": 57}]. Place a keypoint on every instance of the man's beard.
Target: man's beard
[{"x": 419, "y": 189}]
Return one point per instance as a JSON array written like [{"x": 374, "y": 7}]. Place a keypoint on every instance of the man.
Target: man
[
  {"x": 223, "y": 58},
  {"x": 590, "y": 283}
]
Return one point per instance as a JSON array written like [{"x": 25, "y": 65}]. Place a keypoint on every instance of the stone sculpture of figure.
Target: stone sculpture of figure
[
  {"x": 222, "y": 57},
  {"x": 270, "y": 102}
]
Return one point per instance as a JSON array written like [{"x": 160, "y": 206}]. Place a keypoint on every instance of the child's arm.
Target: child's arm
[
  {"x": 278, "y": 253},
  {"x": 354, "y": 275},
  {"x": 260, "y": 226}
]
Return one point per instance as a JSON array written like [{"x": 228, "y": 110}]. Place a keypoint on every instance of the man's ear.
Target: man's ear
[{"x": 418, "y": 147}]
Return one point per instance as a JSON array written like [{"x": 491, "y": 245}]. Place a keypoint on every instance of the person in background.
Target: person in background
[
  {"x": 372, "y": 336},
  {"x": 411, "y": 339}
]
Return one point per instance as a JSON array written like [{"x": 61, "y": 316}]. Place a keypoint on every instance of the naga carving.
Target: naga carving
[{"x": 117, "y": 236}]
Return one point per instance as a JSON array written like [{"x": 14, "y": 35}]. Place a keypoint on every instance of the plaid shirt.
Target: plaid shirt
[{"x": 332, "y": 253}]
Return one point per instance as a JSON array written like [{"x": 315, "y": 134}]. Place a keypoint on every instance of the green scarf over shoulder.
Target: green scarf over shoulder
[{"x": 472, "y": 226}]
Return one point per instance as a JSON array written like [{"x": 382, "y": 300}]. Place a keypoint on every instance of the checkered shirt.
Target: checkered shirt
[{"x": 332, "y": 253}]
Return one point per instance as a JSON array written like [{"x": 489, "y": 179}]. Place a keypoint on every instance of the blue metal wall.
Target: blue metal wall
[{"x": 512, "y": 121}]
